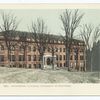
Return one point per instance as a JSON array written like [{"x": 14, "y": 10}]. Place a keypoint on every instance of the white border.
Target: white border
[{"x": 49, "y": 1}]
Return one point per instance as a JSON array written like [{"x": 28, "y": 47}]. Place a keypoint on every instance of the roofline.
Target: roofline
[{"x": 48, "y": 34}]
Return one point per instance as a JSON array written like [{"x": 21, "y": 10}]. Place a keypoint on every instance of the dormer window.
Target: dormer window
[{"x": 12, "y": 48}]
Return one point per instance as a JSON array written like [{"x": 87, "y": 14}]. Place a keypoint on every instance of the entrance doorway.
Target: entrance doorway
[{"x": 48, "y": 61}]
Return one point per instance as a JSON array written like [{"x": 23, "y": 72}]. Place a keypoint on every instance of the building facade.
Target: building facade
[{"x": 31, "y": 58}]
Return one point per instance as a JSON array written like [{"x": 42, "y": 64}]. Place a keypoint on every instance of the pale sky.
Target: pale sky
[{"x": 52, "y": 18}]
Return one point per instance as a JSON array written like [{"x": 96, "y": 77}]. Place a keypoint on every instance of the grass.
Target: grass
[{"x": 21, "y": 75}]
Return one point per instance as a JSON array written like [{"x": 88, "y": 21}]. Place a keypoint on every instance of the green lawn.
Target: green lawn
[{"x": 21, "y": 75}]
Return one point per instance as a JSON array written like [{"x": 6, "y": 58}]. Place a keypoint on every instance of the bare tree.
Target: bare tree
[
  {"x": 96, "y": 34},
  {"x": 86, "y": 33},
  {"x": 90, "y": 36},
  {"x": 12, "y": 48},
  {"x": 70, "y": 20},
  {"x": 39, "y": 31},
  {"x": 8, "y": 26},
  {"x": 23, "y": 46}
]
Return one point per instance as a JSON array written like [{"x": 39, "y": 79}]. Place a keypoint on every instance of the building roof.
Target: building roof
[{"x": 24, "y": 34}]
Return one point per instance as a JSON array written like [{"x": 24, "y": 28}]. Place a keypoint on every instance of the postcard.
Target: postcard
[{"x": 49, "y": 49}]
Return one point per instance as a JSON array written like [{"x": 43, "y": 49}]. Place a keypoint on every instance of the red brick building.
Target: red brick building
[{"x": 32, "y": 57}]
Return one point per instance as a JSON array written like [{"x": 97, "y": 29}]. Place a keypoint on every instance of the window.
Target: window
[
  {"x": 29, "y": 65},
  {"x": 76, "y": 50},
  {"x": 29, "y": 48},
  {"x": 39, "y": 58},
  {"x": 34, "y": 49},
  {"x": 64, "y": 65},
  {"x": 20, "y": 65},
  {"x": 12, "y": 57},
  {"x": 81, "y": 58},
  {"x": 29, "y": 57},
  {"x": 71, "y": 57},
  {"x": 21, "y": 57},
  {"x": 81, "y": 50},
  {"x": 56, "y": 49},
  {"x": 34, "y": 65},
  {"x": 21, "y": 48},
  {"x": 75, "y": 57},
  {"x": 57, "y": 65},
  {"x": 48, "y": 49},
  {"x": 34, "y": 58},
  {"x": 60, "y": 57},
  {"x": 63, "y": 49},
  {"x": 1, "y": 58},
  {"x": 63, "y": 57},
  {"x": 2, "y": 47},
  {"x": 60, "y": 64},
  {"x": 39, "y": 65},
  {"x": 60, "y": 49}
]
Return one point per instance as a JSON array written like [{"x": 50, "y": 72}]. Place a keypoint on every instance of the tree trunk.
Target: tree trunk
[
  {"x": 16, "y": 57},
  {"x": 41, "y": 60},
  {"x": 8, "y": 56},
  {"x": 91, "y": 61},
  {"x": 88, "y": 60},
  {"x": 68, "y": 58},
  {"x": 85, "y": 60},
  {"x": 77, "y": 67},
  {"x": 53, "y": 60},
  {"x": 25, "y": 62}
]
